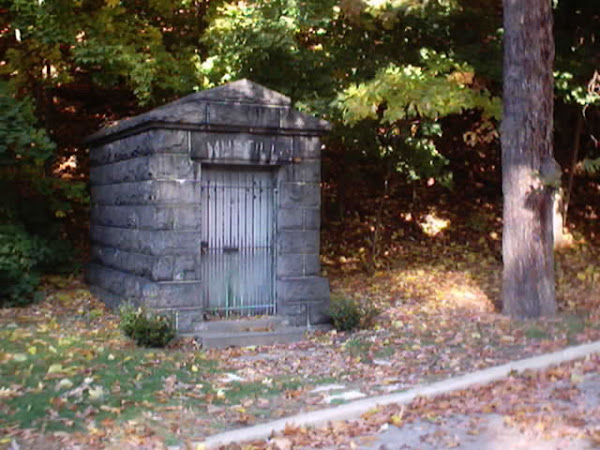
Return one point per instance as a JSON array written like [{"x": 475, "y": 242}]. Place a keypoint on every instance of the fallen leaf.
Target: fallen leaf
[
  {"x": 280, "y": 443},
  {"x": 55, "y": 368},
  {"x": 96, "y": 393},
  {"x": 65, "y": 383}
]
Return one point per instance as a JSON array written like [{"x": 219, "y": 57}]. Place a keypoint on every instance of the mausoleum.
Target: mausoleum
[{"x": 209, "y": 206}]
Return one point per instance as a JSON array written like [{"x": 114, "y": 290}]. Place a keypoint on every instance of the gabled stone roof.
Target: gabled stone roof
[
  {"x": 238, "y": 106},
  {"x": 242, "y": 91}
]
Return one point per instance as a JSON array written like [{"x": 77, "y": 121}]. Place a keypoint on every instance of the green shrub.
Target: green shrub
[
  {"x": 350, "y": 314},
  {"x": 146, "y": 328},
  {"x": 20, "y": 254},
  {"x": 23, "y": 258}
]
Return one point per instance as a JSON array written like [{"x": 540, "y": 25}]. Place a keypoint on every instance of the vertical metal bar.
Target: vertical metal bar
[
  {"x": 230, "y": 193},
  {"x": 252, "y": 240},
  {"x": 246, "y": 193},
  {"x": 221, "y": 206},
  {"x": 213, "y": 204},
  {"x": 272, "y": 275}
]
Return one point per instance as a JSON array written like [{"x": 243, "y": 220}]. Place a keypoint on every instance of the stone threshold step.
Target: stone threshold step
[
  {"x": 216, "y": 339},
  {"x": 249, "y": 332},
  {"x": 259, "y": 324}
]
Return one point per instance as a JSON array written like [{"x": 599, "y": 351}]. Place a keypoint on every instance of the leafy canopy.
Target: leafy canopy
[{"x": 438, "y": 88}]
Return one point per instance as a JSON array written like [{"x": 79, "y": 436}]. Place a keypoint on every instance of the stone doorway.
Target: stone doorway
[{"x": 237, "y": 241}]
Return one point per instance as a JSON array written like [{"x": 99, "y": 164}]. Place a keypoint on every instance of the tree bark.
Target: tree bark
[{"x": 528, "y": 289}]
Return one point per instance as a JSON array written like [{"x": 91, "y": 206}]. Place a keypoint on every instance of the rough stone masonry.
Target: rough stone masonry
[{"x": 146, "y": 178}]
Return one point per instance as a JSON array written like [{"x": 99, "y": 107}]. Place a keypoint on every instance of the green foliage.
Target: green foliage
[
  {"x": 572, "y": 91},
  {"x": 146, "y": 328},
  {"x": 20, "y": 256},
  {"x": 349, "y": 314},
  {"x": 438, "y": 88},
  {"x": 29, "y": 242},
  {"x": 276, "y": 43},
  {"x": 406, "y": 101},
  {"x": 111, "y": 42},
  {"x": 21, "y": 141},
  {"x": 24, "y": 256},
  {"x": 124, "y": 52},
  {"x": 32, "y": 205}
]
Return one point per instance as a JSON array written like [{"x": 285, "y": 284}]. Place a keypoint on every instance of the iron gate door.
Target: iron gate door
[{"x": 238, "y": 223}]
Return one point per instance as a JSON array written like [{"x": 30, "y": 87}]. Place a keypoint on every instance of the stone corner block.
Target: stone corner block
[
  {"x": 319, "y": 313},
  {"x": 305, "y": 289},
  {"x": 186, "y": 318},
  {"x": 296, "y": 314},
  {"x": 298, "y": 241}
]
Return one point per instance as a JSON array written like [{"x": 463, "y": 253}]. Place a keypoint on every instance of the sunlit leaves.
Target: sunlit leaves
[
  {"x": 436, "y": 89},
  {"x": 59, "y": 39},
  {"x": 388, "y": 12},
  {"x": 270, "y": 42},
  {"x": 409, "y": 99},
  {"x": 131, "y": 49},
  {"x": 573, "y": 91}
]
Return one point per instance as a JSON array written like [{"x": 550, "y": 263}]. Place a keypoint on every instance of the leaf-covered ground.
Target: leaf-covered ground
[{"x": 68, "y": 376}]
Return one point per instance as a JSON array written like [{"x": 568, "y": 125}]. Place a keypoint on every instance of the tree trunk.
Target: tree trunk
[{"x": 527, "y": 245}]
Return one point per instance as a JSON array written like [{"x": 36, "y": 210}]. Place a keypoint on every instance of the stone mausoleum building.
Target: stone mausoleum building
[{"x": 210, "y": 206}]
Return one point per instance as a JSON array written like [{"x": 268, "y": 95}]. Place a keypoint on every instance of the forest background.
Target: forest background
[{"x": 412, "y": 87}]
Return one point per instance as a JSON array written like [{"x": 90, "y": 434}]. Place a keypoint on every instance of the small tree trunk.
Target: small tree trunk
[
  {"x": 574, "y": 157},
  {"x": 527, "y": 245},
  {"x": 560, "y": 238}
]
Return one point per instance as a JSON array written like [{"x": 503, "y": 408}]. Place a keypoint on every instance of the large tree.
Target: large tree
[{"x": 529, "y": 170}]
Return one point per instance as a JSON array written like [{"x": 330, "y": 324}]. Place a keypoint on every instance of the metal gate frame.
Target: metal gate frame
[{"x": 237, "y": 273}]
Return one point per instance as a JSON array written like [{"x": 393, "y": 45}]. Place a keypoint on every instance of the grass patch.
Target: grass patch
[
  {"x": 535, "y": 332},
  {"x": 289, "y": 383},
  {"x": 171, "y": 440},
  {"x": 358, "y": 348},
  {"x": 238, "y": 391},
  {"x": 574, "y": 323},
  {"x": 385, "y": 352},
  {"x": 52, "y": 380}
]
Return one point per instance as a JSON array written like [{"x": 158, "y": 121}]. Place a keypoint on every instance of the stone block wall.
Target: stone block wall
[{"x": 144, "y": 222}]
